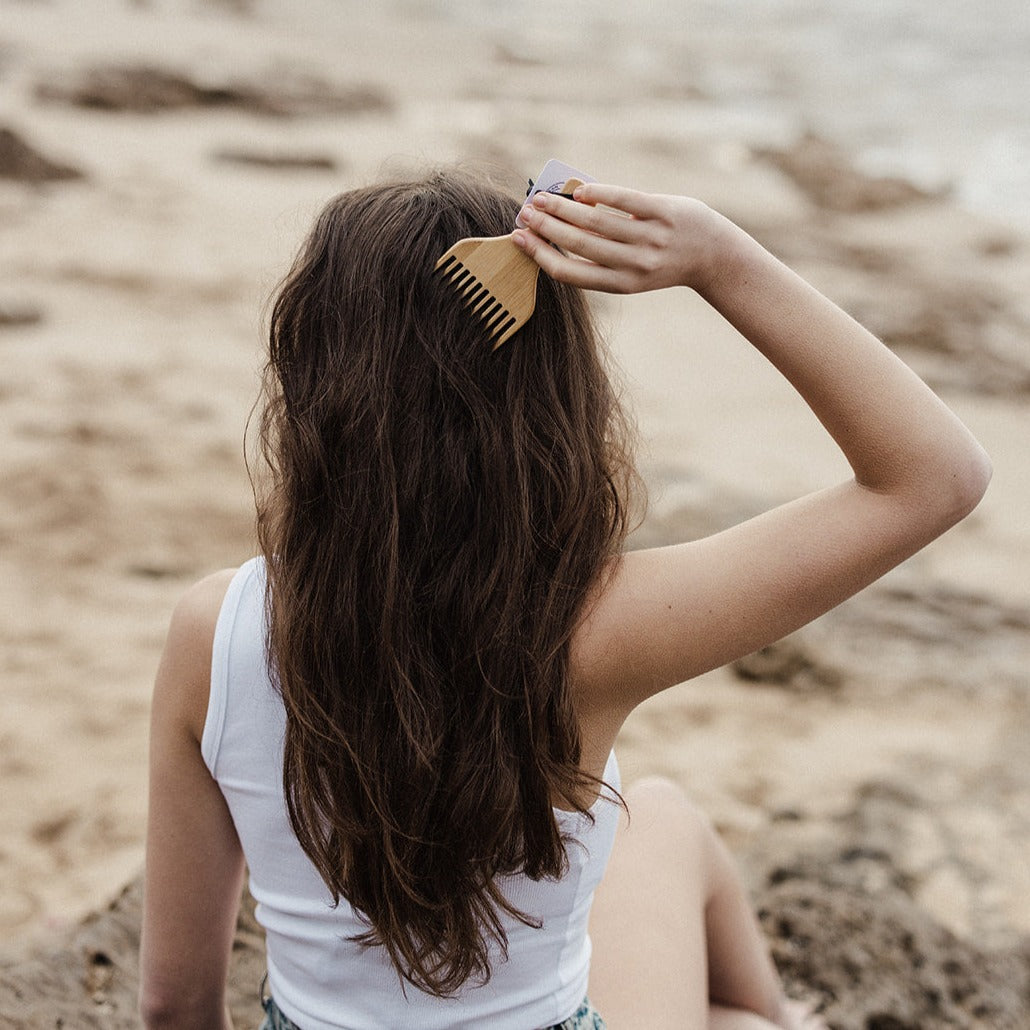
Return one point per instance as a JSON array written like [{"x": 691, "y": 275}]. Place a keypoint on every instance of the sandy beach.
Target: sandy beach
[{"x": 159, "y": 163}]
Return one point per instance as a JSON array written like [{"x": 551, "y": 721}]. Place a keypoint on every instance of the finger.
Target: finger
[
  {"x": 602, "y": 221},
  {"x": 622, "y": 198},
  {"x": 576, "y": 240},
  {"x": 575, "y": 271}
]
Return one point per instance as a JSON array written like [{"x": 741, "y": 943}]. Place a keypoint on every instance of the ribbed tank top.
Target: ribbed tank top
[{"x": 319, "y": 978}]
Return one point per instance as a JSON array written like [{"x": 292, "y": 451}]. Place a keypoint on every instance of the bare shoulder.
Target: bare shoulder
[
  {"x": 183, "y": 680},
  {"x": 192, "y": 627},
  {"x": 200, "y": 604}
]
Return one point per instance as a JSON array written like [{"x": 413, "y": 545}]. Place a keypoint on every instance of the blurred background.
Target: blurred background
[{"x": 159, "y": 163}]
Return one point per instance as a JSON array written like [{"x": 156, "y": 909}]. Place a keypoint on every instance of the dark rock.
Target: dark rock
[
  {"x": 23, "y": 163},
  {"x": 826, "y": 175},
  {"x": 276, "y": 160},
  {"x": 879, "y": 961},
  {"x": 790, "y": 664},
  {"x": 13, "y": 315},
  {"x": 146, "y": 89}
]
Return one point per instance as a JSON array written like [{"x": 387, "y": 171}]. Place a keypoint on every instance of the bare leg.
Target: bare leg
[
  {"x": 796, "y": 1016},
  {"x": 720, "y": 1018},
  {"x": 673, "y": 932}
]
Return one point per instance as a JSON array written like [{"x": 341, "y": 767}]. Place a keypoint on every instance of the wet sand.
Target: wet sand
[{"x": 157, "y": 168}]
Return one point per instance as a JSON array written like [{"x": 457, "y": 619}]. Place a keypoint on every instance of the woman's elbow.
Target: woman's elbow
[
  {"x": 155, "y": 1011},
  {"x": 158, "y": 1011},
  {"x": 970, "y": 478},
  {"x": 944, "y": 493},
  {"x": 162, "y": 1010}
]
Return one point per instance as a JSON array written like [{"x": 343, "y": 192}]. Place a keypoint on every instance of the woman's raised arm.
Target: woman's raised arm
[{"x": 671, "y": 613}]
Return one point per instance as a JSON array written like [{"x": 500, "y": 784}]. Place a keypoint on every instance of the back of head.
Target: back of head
[{"x": 436, "y": 513}]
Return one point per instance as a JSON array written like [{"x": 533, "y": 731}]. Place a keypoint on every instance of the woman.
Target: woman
[{"x": 403, "y": 714}]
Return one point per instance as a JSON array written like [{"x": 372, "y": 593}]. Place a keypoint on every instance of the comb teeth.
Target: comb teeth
[
  {"x": 494, "y": 280},
  {"x": 478, "y": 299}
]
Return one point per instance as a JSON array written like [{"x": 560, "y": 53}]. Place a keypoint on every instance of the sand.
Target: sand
[{"x": 159, "y": 163}]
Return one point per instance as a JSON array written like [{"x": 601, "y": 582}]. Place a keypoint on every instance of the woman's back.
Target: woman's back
[{"x": 321, "y": 978}]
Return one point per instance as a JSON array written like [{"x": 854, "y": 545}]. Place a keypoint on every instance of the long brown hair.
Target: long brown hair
[{"x": 435, "y": 515}]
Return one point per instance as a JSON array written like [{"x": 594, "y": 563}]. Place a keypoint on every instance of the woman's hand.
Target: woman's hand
[{"x": 619, "y": 240}]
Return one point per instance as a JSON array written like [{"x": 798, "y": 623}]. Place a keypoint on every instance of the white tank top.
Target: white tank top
[{"x": 319, "y": 978}]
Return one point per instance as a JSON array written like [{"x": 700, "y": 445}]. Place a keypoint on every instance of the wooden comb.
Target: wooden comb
[{"x": 495, "y": 279}]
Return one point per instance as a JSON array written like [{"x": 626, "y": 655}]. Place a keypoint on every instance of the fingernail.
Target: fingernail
[{"x": 518, "y": 237}]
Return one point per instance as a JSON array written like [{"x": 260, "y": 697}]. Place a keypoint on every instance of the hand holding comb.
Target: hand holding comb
[{"x": 496, "y": 280}]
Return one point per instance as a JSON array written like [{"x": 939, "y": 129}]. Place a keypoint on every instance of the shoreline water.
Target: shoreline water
[{"x": 934, "y": 95}]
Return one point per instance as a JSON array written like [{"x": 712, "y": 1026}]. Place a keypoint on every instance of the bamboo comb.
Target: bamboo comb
[{"x": 496, "y": 280}]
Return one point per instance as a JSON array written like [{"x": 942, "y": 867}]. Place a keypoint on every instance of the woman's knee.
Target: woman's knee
[
  {"x": 660, "y": 809},
  {"x": 659, "y": 800},
  {"x": 659, "y": 793}
]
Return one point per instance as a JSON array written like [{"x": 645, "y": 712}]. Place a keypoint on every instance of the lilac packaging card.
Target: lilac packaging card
[{"x": 554, "y": 175}]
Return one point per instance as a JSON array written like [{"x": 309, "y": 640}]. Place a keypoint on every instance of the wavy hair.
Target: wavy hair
[{"x": 434, "y": 516}]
